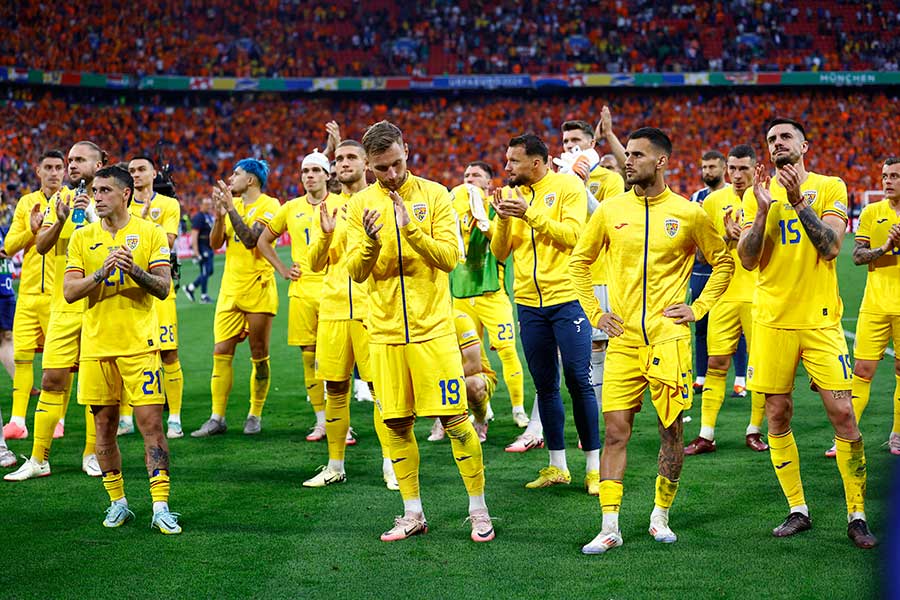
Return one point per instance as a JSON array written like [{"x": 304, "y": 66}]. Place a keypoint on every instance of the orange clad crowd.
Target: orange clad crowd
[
  {"x": 846, "y": 130},
  {"x": 286, "y": 38}
]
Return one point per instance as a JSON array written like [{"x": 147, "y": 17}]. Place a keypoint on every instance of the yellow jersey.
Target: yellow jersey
[
  {"x": 120, "y": 319},
  {"x": 58, "y": 253},
  {"x": 37, "y": 269},
  {"x": 301, "y": 220},
  {"x": 650, "y": 244},
  {"x": 467, "y": 336},
  {"x": 717, "y": 204},
  {"x": 246, "y": 267},
  {"x": 542, "y": 241},
  {"x": 165, "y": 211},
  {"x": 882, "y": 295},
  {"x": 407, "y": 269},
  {"x": 342, "y": 298},
  {"x": 603, "y": 184},
  {"x": 797, "y": 289}
]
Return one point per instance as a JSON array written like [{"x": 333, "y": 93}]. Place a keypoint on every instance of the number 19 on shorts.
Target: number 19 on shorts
[{"x": 449, "y": 391}]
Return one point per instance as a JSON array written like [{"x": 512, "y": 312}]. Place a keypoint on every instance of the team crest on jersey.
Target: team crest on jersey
[
  {"x": 672, "y": 226},
  {"x": 810, "y": 196},
  {"x": 154, "y": 213},
  {"x": 420, "y": 210},
  {"x": 594, "y": 187},
  {"x": 131, "y": 241},
  {"x": 549, "y": 199}
]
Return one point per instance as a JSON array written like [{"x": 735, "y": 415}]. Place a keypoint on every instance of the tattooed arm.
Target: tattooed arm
[
  {"x": 863, "y": 254},
  {"x": 750, "y": 245},
  {"x": 249, "y": 235},
  {"x": 156, "y": 282},
  {"x": 826, "y": 234}
]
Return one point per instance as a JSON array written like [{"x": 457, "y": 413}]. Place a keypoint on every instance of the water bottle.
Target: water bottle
[{"x": 78, "y": 213}]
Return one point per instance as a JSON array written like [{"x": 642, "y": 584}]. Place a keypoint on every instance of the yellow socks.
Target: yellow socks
[
  {"x": 221, "y": 382},
  {"x": 381, "y": 430},
  {"x": 851, "y": 462},
  {"x": 467, "y": 452},
  {"x": 512, "y": 375},
  {"x": 713, "y": 397},
  {"x": 757, "y": 412},
  {"x": 405, "y": 457},
  {"x": 666, "y": 488},
  {"x": 337, "y": 422},
  {"x": 861, "y": 389},
  {"x": 173, "y": 384},
  {"x": 90, "y": 434},
  {"x": 23, "y": 381},
  {"x": 314, "y": 388},
  {"x": 46, "y": 415},
  {"x": 610, "y": 502},
  {"x": 259, "y": 384},
  {"x": 159, "y": 485},
  {"x": 786, "y": 460},
  {"x": 896, "y": 427},
  {"x": 114, "y": 484}
]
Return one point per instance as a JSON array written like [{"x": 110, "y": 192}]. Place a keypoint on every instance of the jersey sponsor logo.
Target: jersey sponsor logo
[
  {"x": 549, "y": 199},
  {"x": 95, "y": 246},
  {"x": 420, "y": 211},
  {"x": 672, "y": 226},
  {"x": 880, "y": 221},
  {"x": 621, "y": 225},
  {"x": 131, "y": 240},
  {"x": 155, "y": 213},
  {"x": 810, "y": 196},
  {"x": 594, "y": 188}
]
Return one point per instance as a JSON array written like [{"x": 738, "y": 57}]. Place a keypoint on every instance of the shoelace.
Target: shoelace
[{"x": 162, "y": 517}]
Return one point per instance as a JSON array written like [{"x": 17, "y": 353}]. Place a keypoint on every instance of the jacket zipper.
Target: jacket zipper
[
  {"x": 534, "y": 270},
  {"x": 646, "y": 253},
  {"x": 402, "y": 283}
]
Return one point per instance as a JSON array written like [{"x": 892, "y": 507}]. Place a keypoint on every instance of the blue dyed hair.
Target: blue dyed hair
[{"x": 257, "y": 168}]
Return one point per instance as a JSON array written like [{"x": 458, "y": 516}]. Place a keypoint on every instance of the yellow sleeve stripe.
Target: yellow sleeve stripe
[{"x": 836, "y": 213}]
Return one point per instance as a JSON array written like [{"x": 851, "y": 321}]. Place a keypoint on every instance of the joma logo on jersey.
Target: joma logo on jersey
[
  {"x": 549, "y": 199},
  {"x": 132, "y": 241},
  {"x": 594, "y": 187},
  {"x": 155, "y": 212},
  {"x": 420, "y": 210},
  {"x": 672, "y": 226}
]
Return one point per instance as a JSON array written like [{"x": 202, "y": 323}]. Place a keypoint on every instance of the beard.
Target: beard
[
  {"x": 517, "y": 180},
  {"x": 791, "y": 158},
  {"x": 712, "y": 182}
]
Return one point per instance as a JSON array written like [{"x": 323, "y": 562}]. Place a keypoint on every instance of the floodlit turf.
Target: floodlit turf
[{"x": 251, "y": 530}]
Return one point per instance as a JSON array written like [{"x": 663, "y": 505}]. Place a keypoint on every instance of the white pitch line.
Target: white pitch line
[{"x": 851, "y": 336}]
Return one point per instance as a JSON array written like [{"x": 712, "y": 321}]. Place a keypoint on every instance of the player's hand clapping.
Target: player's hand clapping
[
  {"x": 893, "y": 240},
  {"x": 371, "y": 224},
  {"x": 732, "y": 228},
  {"x": 789, "y": 177},
  {"x": 327, "y": 219},
  {"x": 513, "y": 205},
  {"x": 222, "y": 197},
  {"x": 36, "y": 218},
  {"x": 400, "y": 212},
  {"x": 761, "y": 180}
]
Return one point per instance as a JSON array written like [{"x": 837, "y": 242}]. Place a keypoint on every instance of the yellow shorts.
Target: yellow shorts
[
  {"x": 341, "y": 344},
  {"x": 63, "y": 345},
  {"x": 491, "y": 311},
  {"x": 727, "y": 320},
  {"x": 31, "y": 321},
  {"x": 231, "y": 311},
  {"x": 420, "y": 378},
  {"x": 136, "y": 380},
  {"x": 873, "y": 332},
  {"x": 168, "y": 323},
  {"x": 775, "y": 353},
  {"x": 664, "y": 368},
  {"x": 303, "y": 321}
]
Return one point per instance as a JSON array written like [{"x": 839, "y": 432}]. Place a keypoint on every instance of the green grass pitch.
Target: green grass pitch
[{"x": 251, "y": 530}]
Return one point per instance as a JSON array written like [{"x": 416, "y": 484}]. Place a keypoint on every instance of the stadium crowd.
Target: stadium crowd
[
  {"x": 344, "y": 38},
  {"x": 443, "y": 133}
]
